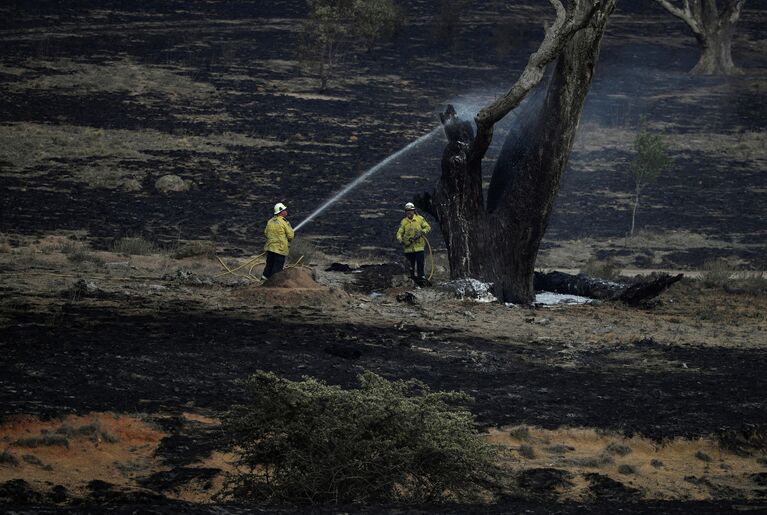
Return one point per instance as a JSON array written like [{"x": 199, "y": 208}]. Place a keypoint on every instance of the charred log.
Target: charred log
[
  {"x": 638, "y": 293},
  {"x": 634, "y": 294}
]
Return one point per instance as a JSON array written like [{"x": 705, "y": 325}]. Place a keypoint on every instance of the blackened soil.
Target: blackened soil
[
  {"x": 328, "y": 141},
  {"x": 96, "y": 359},
  {"x": 503, "y": 507}
]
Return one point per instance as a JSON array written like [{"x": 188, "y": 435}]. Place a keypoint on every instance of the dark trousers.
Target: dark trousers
[
  {"x": 416, "y": 263},
  {"x": 274, "y": 263}
]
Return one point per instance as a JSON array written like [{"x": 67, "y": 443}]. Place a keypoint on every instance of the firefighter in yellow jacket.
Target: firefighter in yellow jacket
[
  {"x": 410, "y": 234},
  {"x": 278, "y": 233}
]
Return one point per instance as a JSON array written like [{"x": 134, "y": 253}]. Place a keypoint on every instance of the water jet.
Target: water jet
[{"x": 356, "y": 182}]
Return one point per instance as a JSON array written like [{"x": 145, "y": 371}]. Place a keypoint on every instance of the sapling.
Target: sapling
[{"x": 650, "y": 160}]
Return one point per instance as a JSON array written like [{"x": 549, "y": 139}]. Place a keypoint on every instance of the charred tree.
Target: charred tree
[
  {"x": 712, "y": 22},
  {"x": 499, "y": 242},
  {"x": 634, "y": 294}
]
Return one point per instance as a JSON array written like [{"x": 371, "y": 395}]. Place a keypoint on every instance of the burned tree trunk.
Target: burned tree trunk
[
  {"x": 713, "y": 28},
  {"x": 498, "y": 242},
  {"x": 632, "y": 294}
]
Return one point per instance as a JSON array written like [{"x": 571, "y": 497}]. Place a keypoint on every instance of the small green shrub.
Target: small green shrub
[
  {"x": 702, "y": 456},
  {"x": 527, "y": 451},
  {"x": 650, "y": 160},
  {"x": 92, "y": 431},
  {"x": 627, "y": 469},
  {"x": 560, "y": 449},
  {"x": 134, "y": 246},
  {"x": 306, "y": 442},
  {"x": 520, "y": 433},
  {"x": 618, "y": 449}
]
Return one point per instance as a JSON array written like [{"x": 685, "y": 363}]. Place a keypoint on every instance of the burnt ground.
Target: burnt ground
[
  {"x": 100, "y": 99},
  {"x": 676, "y": 382},
  {"x": 177, "y": 355},
  {"x": 177, "y": 71}
]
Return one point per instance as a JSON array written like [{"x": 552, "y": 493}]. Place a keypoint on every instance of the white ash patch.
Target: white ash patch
[
  {"x": 547, "y": 298},
  {"x": 471, "y": 289}
]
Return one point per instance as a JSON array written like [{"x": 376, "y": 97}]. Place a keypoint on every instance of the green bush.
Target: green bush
[
  {"x": 618, "y": 449},
  {"x": 306, "y": 442}
]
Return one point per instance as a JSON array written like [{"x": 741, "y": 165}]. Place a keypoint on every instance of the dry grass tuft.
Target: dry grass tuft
[
  {"x": 195, "y": 248},
  {"x": 720, "y": 273},
  {"x": 134, "y": 246},
  {"x": 520, "y": 433},
  {"x": 69, "y": 77},
  {"x": 618, "y": 449},
  {"x": 627, "y": 469},
  {"x": 303, "y": 247},
  {"x": 609, "y": 269},
  {"x": 5, "y": 245},
  {"x": 527, "y": 451},
  {"x": 716, "y": 273}
]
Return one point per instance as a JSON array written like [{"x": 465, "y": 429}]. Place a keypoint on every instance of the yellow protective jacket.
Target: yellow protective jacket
[
  {"x": 278, "y": 233},
  {"x": 408, "y": 229}
]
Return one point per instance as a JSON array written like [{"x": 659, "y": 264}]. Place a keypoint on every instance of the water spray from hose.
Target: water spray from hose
[{"x": 356, "y": 182}]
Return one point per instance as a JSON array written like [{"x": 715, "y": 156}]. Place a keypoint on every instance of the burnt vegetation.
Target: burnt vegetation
[{"x": 138, "y": 146}]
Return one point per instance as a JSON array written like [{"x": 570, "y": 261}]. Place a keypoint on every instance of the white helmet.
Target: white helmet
[
  {"x": 279, "y": 207},
  {"x": 409, "y": 206}
]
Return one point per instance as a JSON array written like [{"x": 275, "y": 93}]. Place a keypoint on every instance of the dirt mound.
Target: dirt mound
[
  {"x": 292, "y": 278},
  {"x": 294, "y": 287}
]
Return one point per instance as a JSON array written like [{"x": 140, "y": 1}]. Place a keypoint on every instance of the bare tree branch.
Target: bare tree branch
[
  {"x": 555, "y": 39},
  {"x": 685, "y": 14},
  {"x": 732, "y": 11}
]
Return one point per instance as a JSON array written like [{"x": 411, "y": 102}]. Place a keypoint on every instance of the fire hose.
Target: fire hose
[
  {"x": 431, "y": 253},
  {"x": 254, "y": 262}
]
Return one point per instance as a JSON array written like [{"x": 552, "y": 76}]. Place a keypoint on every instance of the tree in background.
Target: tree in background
[
  {"x": 337, "y": 27},
  {"x": 375, "y": 20},
  {"x": 650, "y": 160},
  {"x": 498, "y": 242},
  {"x": 712, "y": 23}
]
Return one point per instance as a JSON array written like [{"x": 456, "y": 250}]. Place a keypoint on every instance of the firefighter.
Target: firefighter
[
  {"x": 411, "y": 234},
  {"x": 278, "y": 233}
]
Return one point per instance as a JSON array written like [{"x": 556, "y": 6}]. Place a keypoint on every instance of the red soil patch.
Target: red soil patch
[{"x": 77, "y": 449}]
